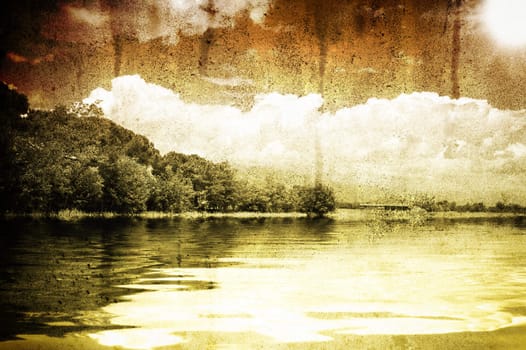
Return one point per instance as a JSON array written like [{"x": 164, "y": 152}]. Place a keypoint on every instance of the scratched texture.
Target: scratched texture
[
  {"x": 58, "y": 51},
  {"x": 226, "y": 52}
]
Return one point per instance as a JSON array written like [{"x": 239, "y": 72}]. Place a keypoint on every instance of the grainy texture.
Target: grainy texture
[
  {"x": 398, "y": 102},
  {"x": 349, "y": 50}
]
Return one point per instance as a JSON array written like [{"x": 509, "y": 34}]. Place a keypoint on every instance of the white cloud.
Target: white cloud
[
  {"x": 168, "y": 19},
  {"x": 419, "y": 141},
  {"x": 89, "y": 16},
  {"x": 517, "y": 149},
  {"x": 149, "y": 19},
  {"x": 232, "y": 81}
]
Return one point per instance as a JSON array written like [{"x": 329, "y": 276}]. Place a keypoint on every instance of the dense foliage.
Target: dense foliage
[
  {"x": 430, "y": 204},
  {"x": 73, "y": 158},
  {"x": 316, "y": 201}
]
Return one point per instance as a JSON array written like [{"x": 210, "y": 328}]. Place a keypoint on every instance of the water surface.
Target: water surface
[{"x": 247, "y": 283}]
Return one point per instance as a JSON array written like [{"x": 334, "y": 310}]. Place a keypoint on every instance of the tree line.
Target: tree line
[
  {"x": 73, "y": 158},
  {"x": 430, "y": 204}
]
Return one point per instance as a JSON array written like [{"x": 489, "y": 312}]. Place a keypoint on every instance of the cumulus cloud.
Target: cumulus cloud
[
  {"x": 273, "y": 130},
  {"x": 419, "y": 141}
]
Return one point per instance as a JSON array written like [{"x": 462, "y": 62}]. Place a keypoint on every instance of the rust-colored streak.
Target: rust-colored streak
[
  {"x": 116, "y": 34},
  {"x": 321, "y": 14},
  {"x": 455, "y": 51},
  {"x": 117, "y": 52},
  {"x": 204, "y": 51}
]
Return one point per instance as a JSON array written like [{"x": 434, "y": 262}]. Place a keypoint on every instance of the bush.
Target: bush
[{"x": 316, "y": 201}]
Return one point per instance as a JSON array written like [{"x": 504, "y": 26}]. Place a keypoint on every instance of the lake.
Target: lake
[{"x": 281, "y": 283}]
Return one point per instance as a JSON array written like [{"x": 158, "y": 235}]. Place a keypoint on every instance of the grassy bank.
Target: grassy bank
[{"x": 71, "y": 215}]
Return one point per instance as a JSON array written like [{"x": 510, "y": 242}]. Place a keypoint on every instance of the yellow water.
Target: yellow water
[{"x": 297, "y": 281}]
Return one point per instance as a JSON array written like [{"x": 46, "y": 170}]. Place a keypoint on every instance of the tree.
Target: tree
[
  {"x": 88, "y": 187},
  {"x": 425, "y": 201},
  {"x": 81, "y": 109},
  {"x": 12, "y": 106},
  {"x": 220, "y": 188},
  {"x": 127, "y": 185},
  {"x": 281, "y": 198},
  {"x": 72, "y": 158},
  {"x": 213, "y": 184},
  {"x": 252, "y": 198},
  {"x": 316, "y": 201},
  {"x": 171, "y": 192},
  {"x": 271, "y": 197},
  {"x": 43, "y": 177}
]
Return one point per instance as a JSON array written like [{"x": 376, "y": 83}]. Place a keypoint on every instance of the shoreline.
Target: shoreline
[
  {"x": 420, "y": 214},
  {"x": 337, "y": 215},
  {"x": 71, "y": 215}
]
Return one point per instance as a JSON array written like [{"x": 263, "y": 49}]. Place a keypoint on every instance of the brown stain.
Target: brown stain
[
  {"x": 117, "y": 52},
  {"x": 204, "y": 51},
  {"x": 456, "y": 50},
  {"x": 340, "y": 48},
  {"x": 206, "y": 40},
  {"x": 116, "y": 34},
  {"x": 321, "y": 14}
]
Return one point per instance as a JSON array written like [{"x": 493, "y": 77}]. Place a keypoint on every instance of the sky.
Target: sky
[{"x": 403, "y": 95}]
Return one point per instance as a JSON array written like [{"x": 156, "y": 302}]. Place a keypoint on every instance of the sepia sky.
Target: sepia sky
[{"x": 411, "y": 94}]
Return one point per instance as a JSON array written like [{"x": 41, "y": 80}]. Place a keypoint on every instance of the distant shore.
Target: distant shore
[
  {"x": 366, "y": 214},
  {"x": 339, "y": 214}
]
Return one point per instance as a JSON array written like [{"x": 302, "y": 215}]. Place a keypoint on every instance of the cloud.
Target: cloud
[
  {"x": 16, "y": 58},
  {"x": 421, "y": 141},
  {"x": 275, "y": 126},
  {"x": 231, "y": 82},
  {"x": 170, "y": 18},
  {"x": 80, "y": 14},
  {"x": 150, "y": 19},
  {"x": 73, "y": 23}
]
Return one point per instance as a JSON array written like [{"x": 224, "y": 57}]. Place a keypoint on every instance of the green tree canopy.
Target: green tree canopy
[
  {"x": 316, "y": 201},
  {"x": 127, "y": 185}
]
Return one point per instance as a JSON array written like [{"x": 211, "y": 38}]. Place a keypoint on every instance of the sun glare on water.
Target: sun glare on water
[
  {"x": 280, "y": 300},
  {"x": 504, "y": 20}
]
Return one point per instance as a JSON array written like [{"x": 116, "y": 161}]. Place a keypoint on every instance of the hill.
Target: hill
[{"x": 74, "y": 158}]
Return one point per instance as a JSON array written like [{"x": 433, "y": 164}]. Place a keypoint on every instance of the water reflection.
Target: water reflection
[
  {"x": 416, "y": 283},
  {"x": 148, "y": 283},
  {"x": 56, "y": 275}
]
